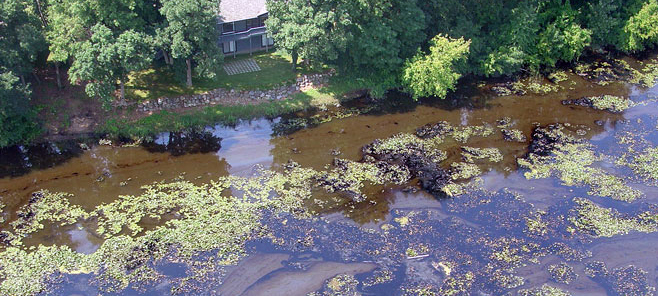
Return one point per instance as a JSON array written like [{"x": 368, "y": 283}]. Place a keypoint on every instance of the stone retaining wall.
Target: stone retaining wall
[{"x": 235, "y": 97}]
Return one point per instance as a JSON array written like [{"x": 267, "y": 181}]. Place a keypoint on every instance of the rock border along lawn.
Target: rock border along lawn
[{"x": 234, "y": 96}]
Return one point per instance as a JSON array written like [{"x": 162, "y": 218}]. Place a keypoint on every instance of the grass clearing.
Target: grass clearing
[{"x": 161, "y": 81}]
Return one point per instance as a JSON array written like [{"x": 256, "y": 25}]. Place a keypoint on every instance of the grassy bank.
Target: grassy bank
[{"x": 163, "y": 121}]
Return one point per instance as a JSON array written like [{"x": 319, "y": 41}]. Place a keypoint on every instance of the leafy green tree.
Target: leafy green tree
[
  {"x": 641, "y": 30},
  {"x": 18, "y": 123},
  {"x": 105, "y": 59},
  {"x": 562, "y": 39},
  {"x": 190, "y": 25},
  {"x": 20, "y": 38},
  {"x": 70, "y": 22},
  {"x": 604, "y": 19},
  {"x": 434, "y": 74},
  {"x": 308, "y": 29}
]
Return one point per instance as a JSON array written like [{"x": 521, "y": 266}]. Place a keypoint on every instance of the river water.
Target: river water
[{"x": 96, "y": 174}]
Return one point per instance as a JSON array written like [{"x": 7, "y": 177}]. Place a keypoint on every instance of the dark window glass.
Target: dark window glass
[
  {"x": 253, "y": 23},
  {"x": 240, "y": 26},
  {"x": 261, "y": 20},
  {"x": 227, "y": 28}
]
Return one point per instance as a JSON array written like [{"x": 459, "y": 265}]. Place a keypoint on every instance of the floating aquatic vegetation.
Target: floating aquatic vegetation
[
  {"x": 544, "y": 290},
  {"x": 350, "y": 177},
  {"x": 463, "y": 133},
  {"x": 464, "y": 170},
  {"x": 513, "y": 135},
  {"x": 520, "y": 88},
  {"x": 597, "y": 221},
  {"x": 562, "y": 273},
  {"x": 648, "y": 76},
  {"x": 536, "y": 225},
  {"x": 457, "y": 285},
  {"x": 604, "y": 72},
  {"x": 405, "y": 144},
  {"x": 206, "y": 220},
  {"x": 41, "y": 207},
  {"x": 428, "y": 290},
  {"x": 379, "y": 276},
  {"x": 645, "y": 163},
  {"x": 541, "y": 88},
  {"x": 609, "y": 103},
  {"x": 628, "y": 280},
  {"x": 470, "y": 154},
  {"x": 340, "y": 285},
  {"x": 290, "y": 125},
  {"x": 558, "y": 76},
  {"x": 553, "y": 153}
]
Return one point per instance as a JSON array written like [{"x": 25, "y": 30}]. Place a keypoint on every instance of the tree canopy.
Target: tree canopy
[
  {"x": 190, "y": 26},
  {"x": 105, "y": 59},
  {"x": 434, "y": 74}
]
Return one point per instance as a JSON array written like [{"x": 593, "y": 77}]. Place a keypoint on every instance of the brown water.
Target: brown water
[{"x": 101, "y": 173}]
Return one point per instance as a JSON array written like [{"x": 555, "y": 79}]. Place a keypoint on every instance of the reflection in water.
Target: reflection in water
[
  {"x": 246, "y": 145},
  {"x": 189, "y": 142},
  {"x": 19, "y": 160}
]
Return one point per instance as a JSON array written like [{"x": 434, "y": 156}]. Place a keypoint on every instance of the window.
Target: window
[
  {"x": 266, "y": 40},
  {"x": 240, "y": 26},
  {"x": 261, "y": 20},
  {"x": 227, "y": 28},
  {"x": 253, "y": 23},
  {"x": 229, "y": 46}
]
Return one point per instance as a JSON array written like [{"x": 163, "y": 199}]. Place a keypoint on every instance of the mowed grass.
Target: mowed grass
[{"x": 161, "y": 81}]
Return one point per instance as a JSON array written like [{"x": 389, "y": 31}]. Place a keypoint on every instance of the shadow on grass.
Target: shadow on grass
[{"x": 161, "y": 81}]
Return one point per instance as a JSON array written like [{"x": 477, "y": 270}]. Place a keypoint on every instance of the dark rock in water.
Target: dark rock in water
[
  {"x": 36, "y": 196},
  {"x": 433, "y": 129},
  {"x": 507, "y": 89},
  {"x": 431, "y": 176},
  {"x": 545, "y": 139},
  {"x": 585, "y": 102}
]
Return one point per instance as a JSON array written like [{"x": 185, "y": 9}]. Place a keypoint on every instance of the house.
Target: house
[{"x": 242, "y": 26}]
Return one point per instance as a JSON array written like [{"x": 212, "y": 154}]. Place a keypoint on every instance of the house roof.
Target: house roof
[{"x": 236, "y": 10}]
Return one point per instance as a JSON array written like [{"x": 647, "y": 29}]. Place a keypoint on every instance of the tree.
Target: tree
[
  {"x": 18, "y": 122},
  {"x": 308, "y": 29},
  {"x": 434, "y": 74},
  {"x": 105, "y": 59},
  {"x": 20, "y": 38},
  {"x": 641, "y": 30},
  {"x": 190, "y": 25},
  {"x": 70, "y": 22},
  {"x": 562, "y": 38}
]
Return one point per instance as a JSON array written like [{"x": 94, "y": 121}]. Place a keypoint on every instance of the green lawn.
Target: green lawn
[{"x": 160, "y": 81}]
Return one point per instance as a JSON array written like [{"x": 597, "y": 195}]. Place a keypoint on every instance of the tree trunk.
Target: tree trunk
[
  {"x": 22, "y": 79},
  {"x": 44, "y": 21},
  {"x": 123, "y": 89},
  {"x": 36, "y": 78},
  {"x": 57, "y": 76},
  {"x": 294, "y": 59},
  {"x": 189, "y": 72},
  {"x": 168, "y": 59}
]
